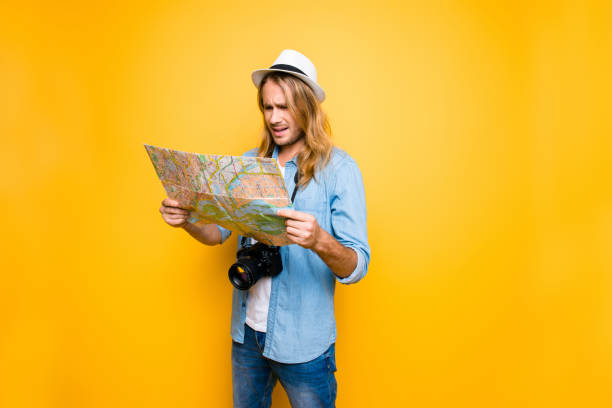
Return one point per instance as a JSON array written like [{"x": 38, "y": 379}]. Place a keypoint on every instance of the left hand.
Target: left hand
[{"x": 302, "y": 228}]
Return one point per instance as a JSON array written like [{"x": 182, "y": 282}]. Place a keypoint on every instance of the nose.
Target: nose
[{"x": 275, "y": 117}]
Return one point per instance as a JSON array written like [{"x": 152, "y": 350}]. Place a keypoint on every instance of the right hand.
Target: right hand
[{"x": 173, "y": 214}]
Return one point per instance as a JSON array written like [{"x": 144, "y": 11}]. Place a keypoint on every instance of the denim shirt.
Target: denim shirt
[{"x": 301, "y": 323}]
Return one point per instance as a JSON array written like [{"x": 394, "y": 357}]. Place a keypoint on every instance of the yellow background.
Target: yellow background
[{"x": 482, "y": 130}]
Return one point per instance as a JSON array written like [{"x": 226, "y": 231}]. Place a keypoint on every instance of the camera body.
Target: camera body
[{"x": 254, "y": 262}]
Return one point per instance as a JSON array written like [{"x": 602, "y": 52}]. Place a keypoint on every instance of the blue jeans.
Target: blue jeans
[{"x": 310, "y": 384}]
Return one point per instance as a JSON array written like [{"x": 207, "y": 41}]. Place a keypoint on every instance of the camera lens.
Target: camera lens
[
  {"x": 242, "y": 275},
  {"x": 254, "y": 262}
]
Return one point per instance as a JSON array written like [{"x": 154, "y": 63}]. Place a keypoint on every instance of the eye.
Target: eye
[{"x": 267, "y": 107}]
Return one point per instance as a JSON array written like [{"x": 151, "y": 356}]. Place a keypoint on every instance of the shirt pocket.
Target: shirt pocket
[{"x": 312, "y": 199}]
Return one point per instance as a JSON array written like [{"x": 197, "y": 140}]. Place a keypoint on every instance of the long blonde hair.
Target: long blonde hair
[{"x": 306, "y": 109}]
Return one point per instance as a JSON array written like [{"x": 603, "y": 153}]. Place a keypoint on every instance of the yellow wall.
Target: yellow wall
[{"x": 483, "y": 131}]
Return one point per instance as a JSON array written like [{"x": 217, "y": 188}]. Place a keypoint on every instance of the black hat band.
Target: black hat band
[{"x": 286, "y": 67}]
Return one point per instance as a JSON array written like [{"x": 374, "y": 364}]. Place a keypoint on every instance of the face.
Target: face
[{"x": 281, "y": 123}]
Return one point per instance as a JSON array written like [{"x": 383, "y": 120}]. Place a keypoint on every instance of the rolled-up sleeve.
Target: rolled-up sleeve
[
  {"x": 225, "y": 233},
  {"x": 358, "y": 273},
  {"x": 348, "y": 215}
]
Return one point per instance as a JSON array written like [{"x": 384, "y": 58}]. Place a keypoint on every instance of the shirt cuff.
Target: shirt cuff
[
  {"x": 357, "y": 273},
  {"x": 225, "y": 233}
]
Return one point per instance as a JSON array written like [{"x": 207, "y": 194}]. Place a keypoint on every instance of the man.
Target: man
[{"x": 284, "y": 327}]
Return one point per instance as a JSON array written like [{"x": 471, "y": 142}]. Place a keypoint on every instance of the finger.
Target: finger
[
  {"x": 297, "y": 224},
  {"x": 169, "y": 202},
  {"x": 175, "y": 216},
  {"x": 296, "y": 232},
  {"x": 296, "y": 239},
  {"x": 175, "y": 223},
  {"x": 306, "y": 227},
  {"x": 172, "y": 217},
  {"x": 174, "y": 210},
  {"x": 185, "y": 216},
  {"x": 295, "y": 215},
  {"x": 293, "y": 239}
]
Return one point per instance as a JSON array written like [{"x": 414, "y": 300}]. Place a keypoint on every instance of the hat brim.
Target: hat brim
[{"x": 258, "y": 75}]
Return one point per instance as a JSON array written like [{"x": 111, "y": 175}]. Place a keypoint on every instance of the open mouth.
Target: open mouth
[{"x": 279, "y": 131}]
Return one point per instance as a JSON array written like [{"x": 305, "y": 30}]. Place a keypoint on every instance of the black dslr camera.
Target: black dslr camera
[{"x": 255, "y": 261}]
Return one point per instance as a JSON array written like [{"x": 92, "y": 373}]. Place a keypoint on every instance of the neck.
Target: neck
[{"x": 288, "y": 152}]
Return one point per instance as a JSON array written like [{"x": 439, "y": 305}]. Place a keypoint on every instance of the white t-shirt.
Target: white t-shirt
[{"x": 258, "y": 299}]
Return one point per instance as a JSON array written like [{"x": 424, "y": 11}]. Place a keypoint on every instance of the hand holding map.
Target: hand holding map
[
  {"x": 239, "y": 193},
  {"x": 173, "y": 214}
]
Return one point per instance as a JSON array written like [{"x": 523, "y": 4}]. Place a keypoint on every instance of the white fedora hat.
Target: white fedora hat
[{"x": 296, "y": 64}]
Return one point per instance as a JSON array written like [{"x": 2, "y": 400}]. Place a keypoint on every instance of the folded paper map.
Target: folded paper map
[{"x": 239, "y": 193}]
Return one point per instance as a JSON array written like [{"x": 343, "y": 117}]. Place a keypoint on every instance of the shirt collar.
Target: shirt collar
[{"x": 275, "y": 156}]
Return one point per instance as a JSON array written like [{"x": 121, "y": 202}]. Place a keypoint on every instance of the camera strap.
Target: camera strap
[{"x": 296, "y": 179}]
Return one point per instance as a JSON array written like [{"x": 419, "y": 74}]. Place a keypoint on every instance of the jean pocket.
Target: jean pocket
[{"x": 331, "y": 358}]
